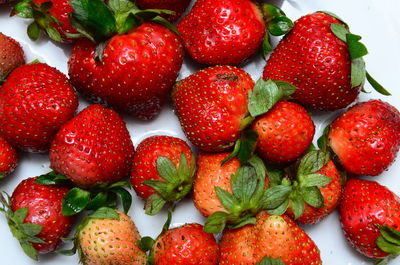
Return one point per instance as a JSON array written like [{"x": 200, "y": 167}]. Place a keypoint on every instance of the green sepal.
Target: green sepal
[
  {"x": 97, "y": 201},
  {"x": 154, "y": 204},
  {"x": 277, "y": 22},
  {"x": 227, "y": 199},
  {"x": 67, "y": 252},
  {"x": 315, "y": 180},
  {"x": 270, "y": 261},
  {"x": 281, "y": 209},
  {"x": 275, "y": 175},
  {"x": 216, "y": 222},
  {"x": 33, "y": 31},
  {"x": 323, "y": 139},
  {"x": 313, "y": 196},
  {"x": 312, "y": 162},
  {"x": 337, "y": 17},
  {"x": 243, "y": 222},
  {"x": 24, "y": 9},
  {"x": 125, "y": 197},
  {"x": 297, "y": 205},
  {"x": 146, "y": 243},
  {"x": 276, "y": 196},
  {"x": 52, "y": 178},
  {"x": 105, "y": 213},
  {"x": 244, "y": 147},
  {"x": 75, "y": 201},
  {"x": 378, "y": 87},
  {"x": 358, "y": 72},
  {"x": 356, "y": 48},
  {"x": 266, "y": 46},
  {"x": 389, "y": 240}
]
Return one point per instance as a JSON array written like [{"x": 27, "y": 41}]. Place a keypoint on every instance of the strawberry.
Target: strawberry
[
  {"x": 8, "y": 158},
  {"x": 109, "y": 237},
  {"x": 35, "y": 101},
  {"x": 178, "y": 6},
  {"x": 92, "y": 148},
  {"x": 323, "y": 59},
  {"x": 366, "y": 138},
  {"x": 284, "y": 133},
  {"x": 370, "y": 217},
  {"x": 11, "y": 55},
  {"x": 272, "y": 237},
  {"x": 162, "y": 171},
  {"x": 132, "y": 68},
  {"x": 222, "y": 32},
  {"x": 35, "y": 218},
  {"x": 185, "y": 245}
]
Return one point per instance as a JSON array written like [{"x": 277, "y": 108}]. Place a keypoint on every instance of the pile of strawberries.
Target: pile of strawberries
[{"x": 254, "y": 173}]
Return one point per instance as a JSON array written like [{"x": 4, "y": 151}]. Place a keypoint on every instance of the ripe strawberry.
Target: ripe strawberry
[
  {"x": 11, "y": 55},
  {"x": 178, "y": 6},
  {"x": 273, "y": 237},
  {"x": 162, "y": 171},
  {"x": 366, "y": 138},
  {"x": 8, "y": 158},
  {"x": 370, "y": 217},
  {"x": 222, "y": 32},
  {"x": 94, "y": 147},
  {"x": 109, "y": 237},
  {"x": 35, "y": 217},
  {"x": 186, "y": 245},
  {"x": 285, "y": 132},
  {"x": 35, "y": 101}
]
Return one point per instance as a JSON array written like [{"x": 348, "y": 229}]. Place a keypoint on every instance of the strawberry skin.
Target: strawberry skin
[
  {"x": 136, "y": 72},
  {"x": 11, "y": 55},
  {"x": 35, "y": 101},
  {"x": 285, "y": 132},
  {"x": 8, "y": 158},
  {"x": 365, "y": 205},
  {"x": 222, "y": 32},
  {"x": 313, "y": 59},
  {"x": 211, "y": 104},
  {"x": 186, "y": 245},
  {"x": 178, "y": 6},
  {"x": 366, "y": 137},
  {"x": 94, "y": 147},
  {"x": 44, "y": 203}
]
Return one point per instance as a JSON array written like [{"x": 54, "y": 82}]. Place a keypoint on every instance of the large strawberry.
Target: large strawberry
[
  {"x": 35, "y": 101},
  {"x": 134, "y": 64},
  {"x": 272, "y": 237},
  {"x": 8, "y": 158},
  {"x": 222, "y": 32},
  {"x": 35, "y": 218},
  {"x": 366, "y": 138},
  {"x": 370, "y": 217},
  {"x": 323, "y": 59},
  {"x": 11, "y": 56},
  {"x": 178, "y": 6},
  {"x": 93, "y": 148},
  {"x": 162, "y": 171}
]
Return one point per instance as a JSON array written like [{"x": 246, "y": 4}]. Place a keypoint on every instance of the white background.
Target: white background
[{"x": 377, "y": 21}]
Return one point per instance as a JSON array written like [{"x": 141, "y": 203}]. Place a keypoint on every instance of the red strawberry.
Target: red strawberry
[
  {"x": 11, "y": 55},
  {"x": 222, "y": 32},
  {"x": 94, "y": 147},
  {"x": 165, "y": 163},
  {"x": 35, "y": 101},
  {"x": 178, "y": 6},
  {"x": 35, "y": 217},
  {"x": 272, "y": 236},
  {"x": 366, "y": 138},
  {"x": 285, "y": 132},
  {"x": 212, "y": 106},
  {"x": 8, "y": 158},
  {"x": 370, "y": 217},
  {"x": 186, "y": 245}
]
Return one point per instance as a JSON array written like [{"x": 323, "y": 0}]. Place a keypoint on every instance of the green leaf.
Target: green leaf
[
  {"x": 313, "y": 197},
  {"x": 358, "y": 72},
  {"x": 281, "y": 209},
  {"x": 280, "y": 25},
  {"x": 166, "y": 169},
  {"x": 154, "y": 204},
  {"x": 244, "y": 222},
  {"x": 340, "y": 31},
  {"x": 75, "y": 201},
  {"x": 52, "y": 178},
  {"x": 20, "y": 215},
  {"x": 297, "y": 207},
  {"x": 216, "y": 222},
  {"x": 146, "y": 243},
  {"x": 226, "y": 199},
  {"x": 29, "y": 250},
  {"x": 264, "y": 95},
  {"x": 244, "y": 183},
  {"x": 98, "y": 201},
  {"x": 31, "y": 229},
  {"x": 317, "y": 180},
  {"x": 270, "y": 261},
  {"x": 266, "y": 46},
  {"x": 105, "y": 213},
  {"x": 24, "y": 9},
  {"x": 312, "y": 162},
  {"x": 378, "y": 87},
  {"x": 33, "y": 31},
  {"x": 356, "y": 48},
  {"x": 125, "y": 196},
  {"x": 275, "y": 196},
  {"x": 323, "y": 140}
]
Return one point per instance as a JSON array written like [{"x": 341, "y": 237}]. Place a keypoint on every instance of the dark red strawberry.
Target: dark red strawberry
[
  {"x": 284, "y": 133},
  {"x": 370, "y": 217},
  {"x": 35, "y": 217},
  {"x": 162, "y": 171},
  {"x": 94, "y": 147},
  {"x": 222, "y": 32},
  {"x": 366, "y": 138},
  {"x": 11, "y": 55},
  {"x": 8, "y": 158},
  {"x": 178, "y": 6},
  {"x": 35, "y": 101}
]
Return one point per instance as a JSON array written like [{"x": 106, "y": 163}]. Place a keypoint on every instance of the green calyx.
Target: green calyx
[
  {"x": 245, "y": 201},
  {"x": 304, "y": 189},
  {"x": 26, "y": 233},
  {"x": 271, "y": 261},
  {"x": 98, "y": 20},
  {"x": 176, "y": 183},
  {"x": 389, "y": 242}
]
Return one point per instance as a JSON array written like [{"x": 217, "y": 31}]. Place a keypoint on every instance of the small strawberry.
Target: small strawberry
[
  {"x": 366, "y": 138},
  {"x": 324, "y": 60},
  {"x": 8, "y": 158},
  {"x": 370, "y": 217},
  {"x": 284, "y": 133},
  {"x": 178, "y": 6},
  {"x": 11, "y": 56},
  {"x": 162, "y": 171},
  {"x": 35, "y": 217},
  {"x": 35, "y": 101},
  {"x": 93, "y": 148},
  {"x": 272, "y": 237},
  {"x": 109, "y": 237}
]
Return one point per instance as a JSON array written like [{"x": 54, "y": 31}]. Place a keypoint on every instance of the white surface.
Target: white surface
[{"x": 377, "y": 21}]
